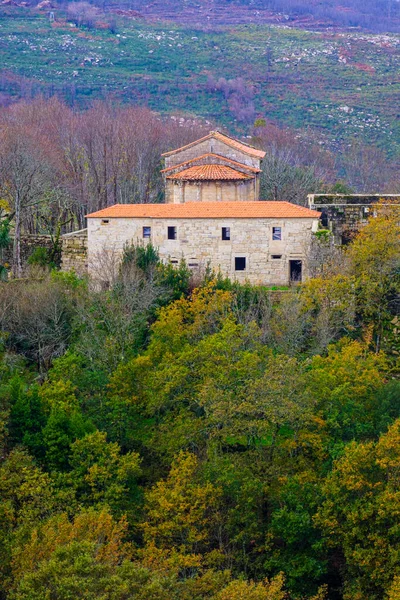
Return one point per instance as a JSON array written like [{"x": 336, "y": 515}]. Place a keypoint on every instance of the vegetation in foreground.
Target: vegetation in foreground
[{"x": 171, "y": 439}]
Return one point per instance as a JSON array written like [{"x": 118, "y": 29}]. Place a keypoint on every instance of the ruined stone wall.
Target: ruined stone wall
[
  {"x": 199, "y": 242},
  {"x": 28, "y": 244},
  {"x": 74, "y": 252},
  {"x": 344, "y": 214}
]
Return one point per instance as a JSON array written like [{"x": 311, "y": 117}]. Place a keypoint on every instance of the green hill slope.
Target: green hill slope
[{"x": 342, "y": 84}]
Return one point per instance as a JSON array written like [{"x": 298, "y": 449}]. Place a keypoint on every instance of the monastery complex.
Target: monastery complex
[{"x": 212, "y": 216}]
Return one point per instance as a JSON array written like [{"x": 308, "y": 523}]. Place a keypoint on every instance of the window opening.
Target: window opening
[
  {"x": 276, "y": 256},
  {"x": 105, "y": 221},
  {"x": 240, "y": 263},
  {"x": 146, "y": 232},
  {"x": 276, "y": 233},
  {"x": 226, "y": 233},
  {"x": 172, "y": 233}
]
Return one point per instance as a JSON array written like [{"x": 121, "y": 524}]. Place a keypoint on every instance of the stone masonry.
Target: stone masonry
[
  {"x": 345, "y": 214},
  {"x": 74, "y": 252},
  {"x": 199, "y": 242}
]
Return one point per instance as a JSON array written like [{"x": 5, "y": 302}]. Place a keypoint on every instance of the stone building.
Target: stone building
[
  {"x": 214, "y": 168},
  {"x": 212, "y": 216},
  {"x": 260, "y": 242}
]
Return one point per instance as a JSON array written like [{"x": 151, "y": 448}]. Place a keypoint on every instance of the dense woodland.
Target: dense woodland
[{"x": 180, "y": 438}]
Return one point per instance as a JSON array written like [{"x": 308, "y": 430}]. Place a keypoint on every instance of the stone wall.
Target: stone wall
[
  {"x": 345, "y": 214},
  {"x": 28, "y": 244},
  {"x": 74, "y": 252},
  {"x": 214, "y": 146},
  {"x": 178, "y": 192},
  {"x": 199, "y": 242}
]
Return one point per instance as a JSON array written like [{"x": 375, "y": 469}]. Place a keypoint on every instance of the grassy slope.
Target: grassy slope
[{"x": 312, "y": 79}]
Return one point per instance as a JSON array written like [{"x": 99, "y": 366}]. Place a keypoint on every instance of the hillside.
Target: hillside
[{"x": 342, "y": 84}]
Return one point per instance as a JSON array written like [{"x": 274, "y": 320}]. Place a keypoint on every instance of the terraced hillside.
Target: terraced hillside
[{"x": 342, "y": 84}]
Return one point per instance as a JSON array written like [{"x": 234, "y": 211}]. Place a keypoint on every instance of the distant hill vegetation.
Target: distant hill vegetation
[{"x": 375, "y": 15}]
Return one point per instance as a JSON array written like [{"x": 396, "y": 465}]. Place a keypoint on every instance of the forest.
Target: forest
[{"x": 192, "y": 438}]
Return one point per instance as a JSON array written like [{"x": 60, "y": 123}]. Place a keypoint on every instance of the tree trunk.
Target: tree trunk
[{"x": 17, "y": 266}]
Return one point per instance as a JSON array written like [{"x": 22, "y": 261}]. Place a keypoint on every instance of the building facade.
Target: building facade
[{"x": 260, "y": 242}]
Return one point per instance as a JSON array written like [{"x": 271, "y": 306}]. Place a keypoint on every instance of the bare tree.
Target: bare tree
[
  {"x": 284, "y": 177},
  {"x": 36, "y": 315},
  {"x": 25, "y": 176}
]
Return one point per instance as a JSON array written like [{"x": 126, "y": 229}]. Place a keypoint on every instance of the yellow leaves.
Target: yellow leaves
[
  {"x": 388, "y": 450},
  {"x": 189, "y": 319},
  {"x": 181, "y": 511},
  {"x": 348, "y": 371},
  {"x": 394, "y": 590},
  {"x": 4, "y": 206},
  {"x": 249, "y": 590},
  {"x": 361, "y": 512},
  {"x": 59, "y": 395},
  {"x": 88, "y": 526},
  {"x": 335, "y": 293}
]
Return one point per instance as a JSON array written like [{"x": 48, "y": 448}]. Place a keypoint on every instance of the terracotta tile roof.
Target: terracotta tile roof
[
  {"x": 208, "y": 210},
  {"x": 226, "y": 140},
  {"x": 212, "y": 156},
  {"x": 210, "y": 172}
]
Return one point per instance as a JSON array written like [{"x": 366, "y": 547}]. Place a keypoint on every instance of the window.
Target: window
[
  {"x": 226, "y": 233},
  {"x": 146, "y": 232},
  {"x": 276, "y": 233},
  {"x": 240, "y": 263},
  {"x": 172, "y": 233},
  {"x": 277, "y": 256},
  {"x": 105, "y": 221}
]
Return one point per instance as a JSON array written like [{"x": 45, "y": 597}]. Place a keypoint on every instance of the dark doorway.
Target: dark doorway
[{"x": 295, "y": 271}]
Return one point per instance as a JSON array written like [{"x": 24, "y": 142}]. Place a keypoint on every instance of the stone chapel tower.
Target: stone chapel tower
[{"x": 212, "y": 169}]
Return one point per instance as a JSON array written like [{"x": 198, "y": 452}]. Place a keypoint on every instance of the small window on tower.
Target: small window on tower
[
  {"x": 240, "y": 263},
  {"x": 146, "y": 232},
  {"x": 226, "y": 233},
  {"x": 172, "y": 233},
  {"x": 276, "y": 233}
]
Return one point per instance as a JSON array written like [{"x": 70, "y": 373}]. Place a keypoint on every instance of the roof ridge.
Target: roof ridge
[
  {"x": 262, "y": 209},
  {"x": 233, "y": 142}
]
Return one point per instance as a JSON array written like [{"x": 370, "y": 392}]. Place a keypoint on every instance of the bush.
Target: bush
[{"x": 40, "y": 257}]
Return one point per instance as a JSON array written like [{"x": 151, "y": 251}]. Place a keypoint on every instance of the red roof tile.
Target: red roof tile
[
  {"x": 212, "y": 156},
  {"x": 226, "y": 140},
  {"x": 210, "y": 173},
  {"x": 208, "y": 210}
]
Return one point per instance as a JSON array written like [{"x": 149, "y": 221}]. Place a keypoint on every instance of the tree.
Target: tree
[
  {"x": 360, "y": 515},
  {"x": 37, "y": 317},
  {"x": 375, "y": 264},
  {"x": 181, "y": 517},
  {"x": 24, "y": 178},
  {"x": 284, "y": 177}
]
